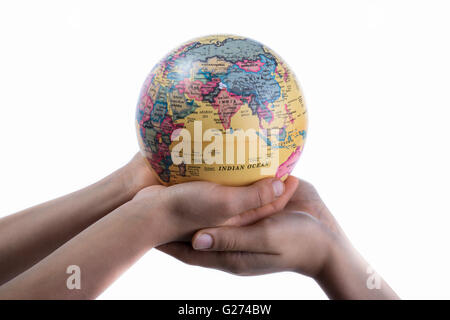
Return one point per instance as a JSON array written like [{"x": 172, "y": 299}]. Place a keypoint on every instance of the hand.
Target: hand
[
  {"x": 303, "y": 237},
  {"x": 176, "y": 212},
  {"x": 289, "y": 240}
]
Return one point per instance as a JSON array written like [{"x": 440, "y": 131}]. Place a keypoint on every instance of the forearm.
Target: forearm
[
  {"x": 102, "y": 252},
  {"x": 28, "y": 236},
  {"x": 346, "y": 275}
]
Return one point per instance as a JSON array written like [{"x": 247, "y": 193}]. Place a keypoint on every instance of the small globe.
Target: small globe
[{"x": 221, "y": 108}]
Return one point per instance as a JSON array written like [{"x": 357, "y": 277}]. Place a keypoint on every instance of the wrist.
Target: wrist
[
  {"x": 148, "y": 222},
  {"x": 158, "y": 221},
  {"x": 129, "y": 184},
  {"x": 341, "y": 260},
  {"x": 346, "y": 275},
  {"x": 333, "y": 248}
]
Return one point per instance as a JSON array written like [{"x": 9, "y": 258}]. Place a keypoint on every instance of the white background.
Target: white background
[{"x": 376, "y": 78}]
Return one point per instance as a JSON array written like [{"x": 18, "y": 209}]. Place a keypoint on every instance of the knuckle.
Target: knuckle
[
  {"x": 234, "y": 264},
  {"x": 259, "y": 198},
  {"x": 227, "y": 243},
  {"x": 242, "y": 263},
  {"x": 263, "y": 194}
]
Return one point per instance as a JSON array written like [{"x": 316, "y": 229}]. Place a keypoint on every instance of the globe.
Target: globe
[{"x": 221, "y": 108}]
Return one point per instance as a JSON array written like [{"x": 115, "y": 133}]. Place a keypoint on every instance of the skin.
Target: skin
[
  {"x": 109, "y": 225},
  {"x": 304, "y": 237},
  {"x": 111, "y": 243}
]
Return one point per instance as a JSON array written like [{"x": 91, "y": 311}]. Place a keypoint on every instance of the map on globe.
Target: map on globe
[{"x": 227, "y": 83}]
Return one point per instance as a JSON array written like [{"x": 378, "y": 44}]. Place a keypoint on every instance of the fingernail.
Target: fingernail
[
  {"x": 203, "y": 241},
  {"x": 278, "y": 187}
]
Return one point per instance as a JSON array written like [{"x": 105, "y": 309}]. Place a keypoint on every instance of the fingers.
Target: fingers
[
  {"x": 253, "y": 215},
  {"x": 225, "y": 200},
  {"x": 239, "y": 263},
  {"x": 183, "y": 251},
  {"x": 236, "y": 200},
  {"x": 254, "y": 238}
]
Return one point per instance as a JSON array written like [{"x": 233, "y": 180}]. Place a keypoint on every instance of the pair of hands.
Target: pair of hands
[{"x": 266, "y": 227}]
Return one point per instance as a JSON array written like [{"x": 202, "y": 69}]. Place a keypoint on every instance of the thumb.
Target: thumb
[
  {"x": 253, "y": 238},
  {"x": 210, "y": 197}
]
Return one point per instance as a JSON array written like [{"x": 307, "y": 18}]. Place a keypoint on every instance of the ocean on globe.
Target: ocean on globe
[{"x": 221, "y": 108}]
